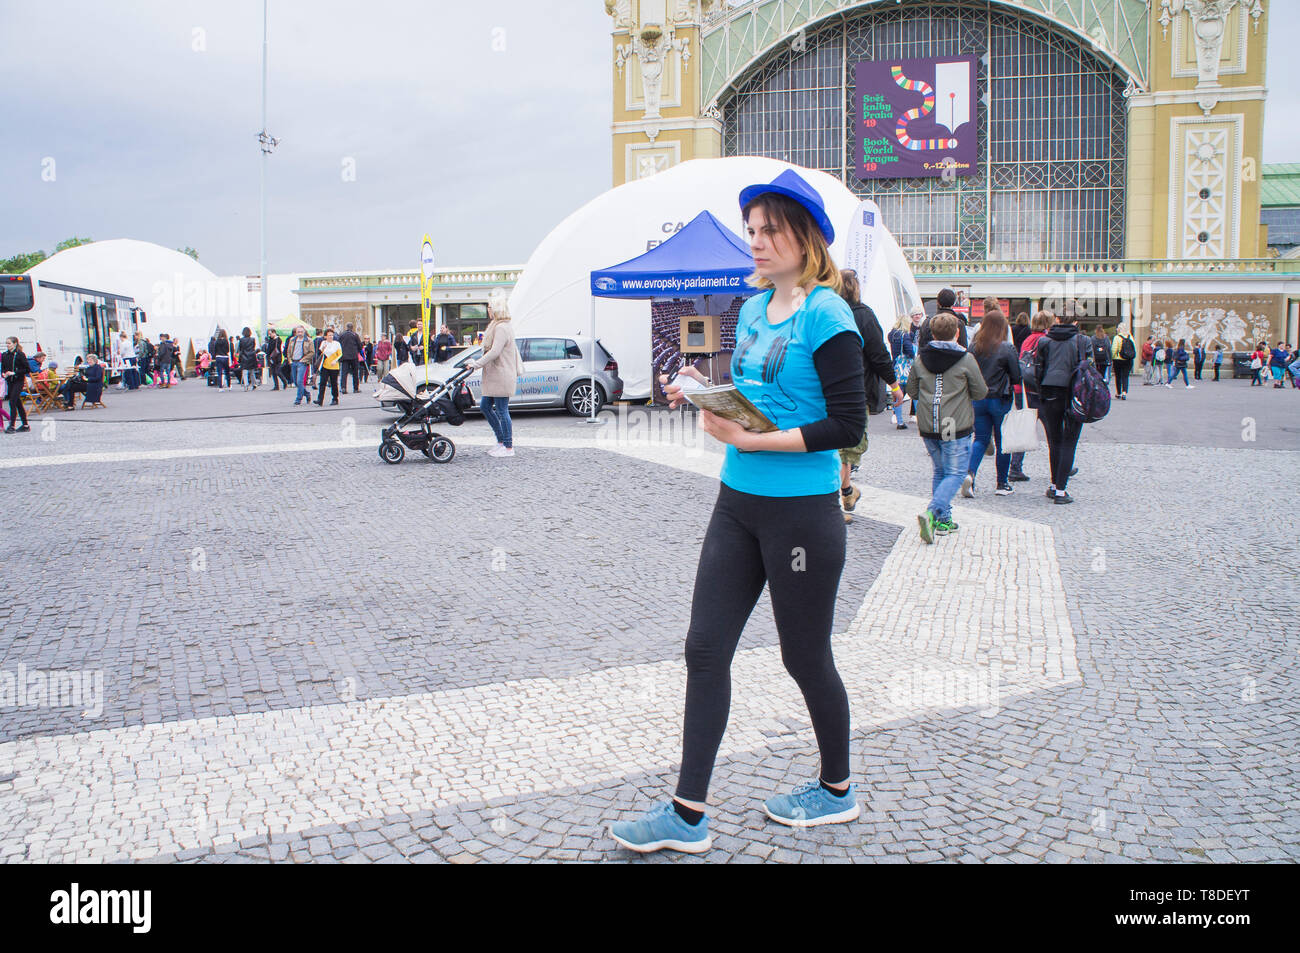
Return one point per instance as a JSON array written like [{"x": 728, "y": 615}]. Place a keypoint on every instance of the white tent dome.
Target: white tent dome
[
  {"x": 553, "y": 293},
  {"x": 180, "y": 296},
  {"x": 122, "y": 266}
]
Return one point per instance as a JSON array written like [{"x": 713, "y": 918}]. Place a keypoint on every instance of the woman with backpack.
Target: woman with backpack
[
  {"x": 1159, "y": 358},
  {"x": 1056, "y": 356},
  {"x": 1037, "y": 328},
  {"x": 1000, "y": 365},
  {"x": 1122, "y": 353},
  {"x": 1101, "y": 352},
  {"x": 1181, "y": 357},
  {"x": 902, "y": 349},
  {"x": 144, "y": 351}
]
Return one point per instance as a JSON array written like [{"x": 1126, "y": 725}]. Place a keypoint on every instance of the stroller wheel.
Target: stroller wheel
[
  {"x": 441, "y": 450},
  {"x": 391, "y": 451}
]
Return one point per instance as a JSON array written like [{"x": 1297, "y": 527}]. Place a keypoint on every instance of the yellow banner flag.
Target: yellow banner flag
[{"x": 426, "y": 291}]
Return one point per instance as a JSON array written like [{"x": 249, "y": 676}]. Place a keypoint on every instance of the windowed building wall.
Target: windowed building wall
[{"x": 1051, "y": 127}]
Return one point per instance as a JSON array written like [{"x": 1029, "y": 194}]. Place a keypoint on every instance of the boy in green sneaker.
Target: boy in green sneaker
[{"x": 945, "y": 380}]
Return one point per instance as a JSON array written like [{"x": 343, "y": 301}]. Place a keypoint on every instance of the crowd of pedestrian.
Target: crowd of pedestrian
[
  {"x": 321, "y": 358},
  {"x": 961, "y": 416}
]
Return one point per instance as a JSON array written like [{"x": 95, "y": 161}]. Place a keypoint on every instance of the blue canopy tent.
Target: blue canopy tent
[{"x": 703, "y": 258}]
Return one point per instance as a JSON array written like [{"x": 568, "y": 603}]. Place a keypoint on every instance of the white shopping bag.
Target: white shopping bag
[{"x": 1020, "y": 431}]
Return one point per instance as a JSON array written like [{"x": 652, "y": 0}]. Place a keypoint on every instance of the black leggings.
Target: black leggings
[
  {"x": 796, "y": 545},
  {"x": 1062, "y": 430},
  {"x": 17, "y": 411},
  {"x": 1122, "y": 369}
]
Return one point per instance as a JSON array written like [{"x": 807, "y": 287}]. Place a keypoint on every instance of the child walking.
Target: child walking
[{"x": 945, "y": 381}]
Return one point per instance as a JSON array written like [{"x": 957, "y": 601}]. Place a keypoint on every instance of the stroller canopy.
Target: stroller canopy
[{"x": 405, "y": 382}]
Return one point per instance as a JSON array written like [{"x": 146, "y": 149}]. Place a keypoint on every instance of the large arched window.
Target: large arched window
[{"x": 1051, "y": 117}]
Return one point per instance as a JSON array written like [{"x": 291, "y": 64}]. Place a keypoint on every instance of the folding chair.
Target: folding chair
[{"x": 47, "y": 395}]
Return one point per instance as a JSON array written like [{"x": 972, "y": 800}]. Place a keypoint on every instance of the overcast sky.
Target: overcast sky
[{"x": 149, "y": 110}]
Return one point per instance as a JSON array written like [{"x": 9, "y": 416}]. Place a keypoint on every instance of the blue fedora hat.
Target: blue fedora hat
[{"x": 789, "y": 184}]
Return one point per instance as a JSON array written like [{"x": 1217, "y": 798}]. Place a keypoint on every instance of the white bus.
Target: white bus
[{"x": 63, "y": 321}]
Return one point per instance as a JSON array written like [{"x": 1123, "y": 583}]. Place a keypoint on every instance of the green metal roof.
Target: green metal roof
[{"x": 1280, "y": 186}]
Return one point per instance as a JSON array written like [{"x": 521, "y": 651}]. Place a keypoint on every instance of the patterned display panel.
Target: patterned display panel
[{"x": 1051, "y": 117}]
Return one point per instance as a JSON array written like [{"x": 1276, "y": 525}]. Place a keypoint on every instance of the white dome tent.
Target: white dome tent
[
  {"x": 179, "y": 296},
  {"x": 553, "y": 292}
]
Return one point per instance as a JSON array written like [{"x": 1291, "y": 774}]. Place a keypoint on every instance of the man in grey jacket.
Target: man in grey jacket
[
  {"x": 299, "y": 352},
  {"x": 945, "y": 380}
]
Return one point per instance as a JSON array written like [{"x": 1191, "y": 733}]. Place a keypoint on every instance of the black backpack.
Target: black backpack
[
  {"x": 447, "y": 409},
  {"x": 1089, "y": 393},
  {"x": 463, "y": 399},
  {"x": 1127, "y": 350},
  {"x": 1029, "y": 369}
]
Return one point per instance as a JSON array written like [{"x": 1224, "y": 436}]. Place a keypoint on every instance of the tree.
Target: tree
[
  {"x": 189, "y": 251},
  {"x": 22, "y": 262},
  {"x": 71, "y": 243}
]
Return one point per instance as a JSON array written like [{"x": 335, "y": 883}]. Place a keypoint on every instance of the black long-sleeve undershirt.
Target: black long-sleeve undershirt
[{"x": 839, "y": 367}]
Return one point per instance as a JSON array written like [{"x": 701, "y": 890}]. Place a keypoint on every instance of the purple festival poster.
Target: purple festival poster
[{"x": 916, "y": 118}]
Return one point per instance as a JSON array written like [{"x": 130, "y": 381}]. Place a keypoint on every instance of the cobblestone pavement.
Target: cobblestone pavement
[{"x": 309, "y": 655}]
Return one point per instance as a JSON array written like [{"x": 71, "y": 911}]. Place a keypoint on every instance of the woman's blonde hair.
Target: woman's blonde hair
[
  {"x": 792, "y": 219},
  {"x": 1042, "y": 321},
  {"x": 499, "y": 305}
]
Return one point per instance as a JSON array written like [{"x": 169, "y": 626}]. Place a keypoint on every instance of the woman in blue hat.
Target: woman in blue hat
[{"x": 777, "y": 519}]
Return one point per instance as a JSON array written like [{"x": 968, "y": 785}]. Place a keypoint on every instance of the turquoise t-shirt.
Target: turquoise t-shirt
[{"x": 773, "y": 367}]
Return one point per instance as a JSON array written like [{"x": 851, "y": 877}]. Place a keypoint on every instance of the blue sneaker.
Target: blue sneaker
[
  {"x": 810, "y": 804},
  {"x": 662, "y": 827}
]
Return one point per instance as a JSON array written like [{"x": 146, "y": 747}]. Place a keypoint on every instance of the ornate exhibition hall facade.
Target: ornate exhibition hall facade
[{"x": 1033, "y": 150}]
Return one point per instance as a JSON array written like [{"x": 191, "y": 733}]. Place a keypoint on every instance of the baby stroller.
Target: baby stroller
[{"x": 422, "y": 405}]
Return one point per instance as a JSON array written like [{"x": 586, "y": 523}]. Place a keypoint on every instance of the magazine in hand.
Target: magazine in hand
[{"x": 727, "y": 401}]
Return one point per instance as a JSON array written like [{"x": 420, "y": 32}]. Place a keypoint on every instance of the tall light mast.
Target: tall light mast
[{"x": 267, "y": 143}]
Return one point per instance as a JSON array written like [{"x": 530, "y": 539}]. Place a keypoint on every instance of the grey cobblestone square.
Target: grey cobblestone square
[{"x": 391, "y": 675}]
